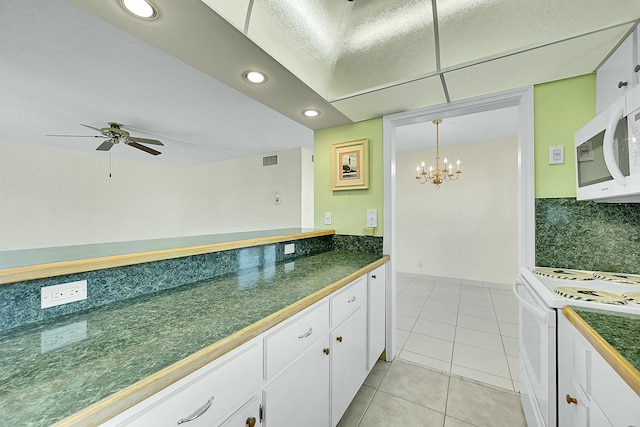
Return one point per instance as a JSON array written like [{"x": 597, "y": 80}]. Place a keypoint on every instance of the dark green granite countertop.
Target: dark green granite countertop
[
  {"x": 621, "y": 331},
  {"x": 115, "y": 346}
]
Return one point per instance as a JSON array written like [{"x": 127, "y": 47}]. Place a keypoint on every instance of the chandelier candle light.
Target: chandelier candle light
[{"x": 438, "y": 176}]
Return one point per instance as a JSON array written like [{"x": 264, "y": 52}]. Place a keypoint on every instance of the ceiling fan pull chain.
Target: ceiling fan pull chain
[{"x": 109, "y": 164}]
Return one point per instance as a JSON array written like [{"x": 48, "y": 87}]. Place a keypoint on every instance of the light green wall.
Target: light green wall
[
  {"x": 348, "y": 208},
  {"x": 560, "y": 109}
]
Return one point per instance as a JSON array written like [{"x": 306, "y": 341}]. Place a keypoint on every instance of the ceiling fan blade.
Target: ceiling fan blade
[
  {"x": 81, "y": 136},
  {"x": 106, "y": 146},
  {"x": 143, "y": 148},
  {"x": 91, "y": 127},
  {"x": 145, "y": 140}
]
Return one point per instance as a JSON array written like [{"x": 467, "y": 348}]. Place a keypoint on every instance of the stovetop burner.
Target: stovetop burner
[
  {"x": 626, "y": 279},
  {"x": 594, "y": 295},
  {"x": 632, "y": 298},
  {"x": 562, "y": 273}
]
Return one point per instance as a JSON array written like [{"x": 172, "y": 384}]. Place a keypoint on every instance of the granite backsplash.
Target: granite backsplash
[
  {"x": 20, "y": 302},
  {"x": 585, "y": 235}
]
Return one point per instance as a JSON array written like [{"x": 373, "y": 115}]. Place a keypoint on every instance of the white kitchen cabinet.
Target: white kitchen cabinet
[
  {"x": 590, "y": 391},
  {"x": 616, "y": 75},
  {"x": 247, "y": 416},
  {"x": 376, "y": 328},
  {"x": 304, "y": 371},
  {"x": 348, "y": 361},
  {"x": 204, "y": 398},
  {"x": 299, "y": 396}
]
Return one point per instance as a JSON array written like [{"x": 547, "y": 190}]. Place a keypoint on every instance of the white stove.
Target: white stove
[
  {"x": 605, "y": 291},
  {"x": 542, "y": 292}
]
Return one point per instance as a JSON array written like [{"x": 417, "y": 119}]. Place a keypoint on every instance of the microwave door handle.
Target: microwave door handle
[
  {"x": 526, "y": 304},
  {"x": 607, "y": 148}
]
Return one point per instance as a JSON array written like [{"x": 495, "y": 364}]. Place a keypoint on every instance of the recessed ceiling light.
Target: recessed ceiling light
[
  {"x": 140, "y": 8},
  {"x": 254, "y": 77},
  {"x": 311, "y": 113}
]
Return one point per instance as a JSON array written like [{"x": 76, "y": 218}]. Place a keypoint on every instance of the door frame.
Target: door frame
[{"x": 521, "y": 98}]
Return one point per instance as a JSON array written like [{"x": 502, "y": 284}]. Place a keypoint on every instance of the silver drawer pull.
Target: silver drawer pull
[
  {"x": 306, "y": 334},
  {"x": 352, "y": 299},
  {"x": 198, "y": 413}
]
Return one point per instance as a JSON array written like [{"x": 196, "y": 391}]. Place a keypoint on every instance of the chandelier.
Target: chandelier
[{"x": 437, "y": 176}]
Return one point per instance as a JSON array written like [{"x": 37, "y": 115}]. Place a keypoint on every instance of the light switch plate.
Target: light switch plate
[
  {"x": 327, "y": 218},
  {"x": 556, "y": 155},
  {"x": 372, "y": 218}
]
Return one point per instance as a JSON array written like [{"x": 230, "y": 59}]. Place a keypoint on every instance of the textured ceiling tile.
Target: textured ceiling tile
[
  {"x": 382, "y": 43},
  {"x": 299, "y": 34},
  {"x": 234, "y": 12},
  {"x": 475, "y": 29},
  {"x": 558, "y": 61},
  {"x": 407, "y": 96}
]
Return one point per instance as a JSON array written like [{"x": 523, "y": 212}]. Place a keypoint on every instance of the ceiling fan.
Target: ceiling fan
[{"x": 114, "y": 134}]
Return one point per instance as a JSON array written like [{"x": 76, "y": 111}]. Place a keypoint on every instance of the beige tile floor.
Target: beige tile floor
[
  {"x": 467, "y": 331},
  {"x": 456, "y": 364},
  {"x": 402, "y": 394}
]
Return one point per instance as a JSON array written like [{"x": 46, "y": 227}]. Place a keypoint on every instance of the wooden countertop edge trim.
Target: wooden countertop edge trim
[
  {"x": 111, "y": 406},
  {"x": 32, "y": 272},
  {"x": 626, "y": 370}
]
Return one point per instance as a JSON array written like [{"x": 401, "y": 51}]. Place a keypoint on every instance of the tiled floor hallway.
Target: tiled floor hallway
[{"x": 457, "y": 363}]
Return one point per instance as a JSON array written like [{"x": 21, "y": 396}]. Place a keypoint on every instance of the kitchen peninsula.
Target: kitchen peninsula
[{"x": 119, "y": 354}]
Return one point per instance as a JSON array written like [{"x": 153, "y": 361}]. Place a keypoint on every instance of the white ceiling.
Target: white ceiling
[
  {"x": 477, "y": 127},
  {"x": 179, "y": 77}
]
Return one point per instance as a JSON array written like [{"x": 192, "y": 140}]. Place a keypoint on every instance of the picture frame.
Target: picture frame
[{"x": 350, "y": 165}]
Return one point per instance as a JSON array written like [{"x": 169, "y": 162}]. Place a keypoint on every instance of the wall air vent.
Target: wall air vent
[{"x": 270, "y": 160}]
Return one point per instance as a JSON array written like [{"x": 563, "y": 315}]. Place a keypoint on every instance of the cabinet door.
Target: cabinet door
[
  {"x": 300, "y": 395},
  {"x": 348, "y": 362},
  {"x": 572, "y": 371},
  {"x": 247, "y": 416},
  {"x": 613, "y": 74},
  {"x": 377, "y": 315}
]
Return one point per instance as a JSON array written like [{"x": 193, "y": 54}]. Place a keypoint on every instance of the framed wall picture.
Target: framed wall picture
[{"x": 350, "y": 165}]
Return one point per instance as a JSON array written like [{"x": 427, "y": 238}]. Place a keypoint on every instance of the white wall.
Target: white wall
[
  {"x": 465, "y": 229},
  {"x": 55, "y": 197},
  {"x": 307, "y": 189}
]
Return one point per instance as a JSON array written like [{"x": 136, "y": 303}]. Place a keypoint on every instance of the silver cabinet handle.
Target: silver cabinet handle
[
  {"x": 198, "y": 412},
  {"x": 306, "y": 334},
  {"x": 352, "y": 299}
]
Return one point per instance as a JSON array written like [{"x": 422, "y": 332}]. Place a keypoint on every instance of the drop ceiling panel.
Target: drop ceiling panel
[
  {"x": 471, "y": 30},
  {"x": 554, "y": 62},
  {"x": 403, "y": 97},
  {"x": 234, "y": 12},
  {"x": 300, "y": 34},
  {"x": 383, "y": 42}
]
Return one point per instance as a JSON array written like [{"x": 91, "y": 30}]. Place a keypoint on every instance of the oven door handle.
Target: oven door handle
[{"x": 527, "y": 305}]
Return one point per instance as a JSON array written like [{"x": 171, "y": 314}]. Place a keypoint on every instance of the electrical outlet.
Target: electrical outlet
[
  {"x": 51, "y": 296},
  {"x": 63, "y": 336},
  {"x": 327, "y": 218},
  {"x": 289, "y": 248}
]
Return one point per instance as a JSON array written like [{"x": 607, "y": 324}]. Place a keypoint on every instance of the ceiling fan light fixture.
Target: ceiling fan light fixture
[
  {"x": 311, "y": 113},
  {"x": 255, "y": 77},
  {"x": 140, "y": 8}
]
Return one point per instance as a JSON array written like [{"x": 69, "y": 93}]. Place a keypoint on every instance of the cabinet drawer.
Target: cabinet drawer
[
  {"x": 214, "y": 392},
  {"x": 348, "y": 300},
  {"x": 287, "y": 343}
]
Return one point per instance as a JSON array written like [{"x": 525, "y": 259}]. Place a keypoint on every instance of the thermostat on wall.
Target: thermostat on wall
[{"x": 556, "y": 155}]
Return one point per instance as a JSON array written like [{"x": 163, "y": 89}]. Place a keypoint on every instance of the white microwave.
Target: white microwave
[{"x": 608, "y": 153}]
